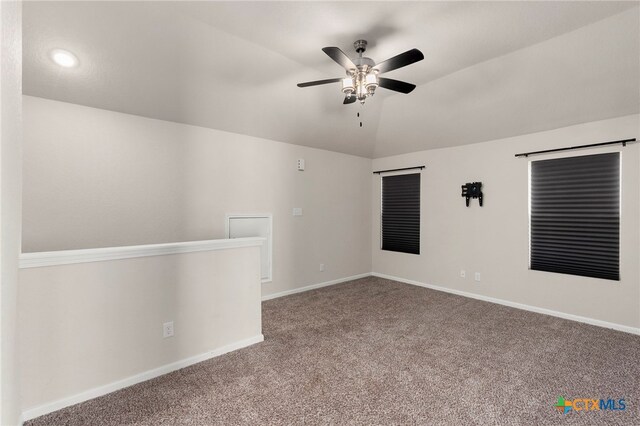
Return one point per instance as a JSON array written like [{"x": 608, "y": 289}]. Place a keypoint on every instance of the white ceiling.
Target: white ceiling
[{"x": 491, "y": 69}]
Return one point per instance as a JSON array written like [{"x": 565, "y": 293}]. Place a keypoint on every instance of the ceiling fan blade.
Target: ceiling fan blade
[
  {"x": 396, "y": 85},
  {"x": 319, "y": 82},
  {"x": 399, "y": 61},
  {"x": 340, "y": 57},
  {"x": 350, "y": 100}
]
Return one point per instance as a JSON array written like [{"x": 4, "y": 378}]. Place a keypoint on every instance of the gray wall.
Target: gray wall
[
  {"x": 493, "y": 239},
  {"x": 106, "y": 322},
  {"x": 96, "y": 178}
]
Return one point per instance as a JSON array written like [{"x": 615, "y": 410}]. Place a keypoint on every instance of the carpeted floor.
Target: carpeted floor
[{"x": 375, "y": 351}]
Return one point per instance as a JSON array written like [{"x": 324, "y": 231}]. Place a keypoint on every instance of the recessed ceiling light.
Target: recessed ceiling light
[{"x": 64, "y": 58}]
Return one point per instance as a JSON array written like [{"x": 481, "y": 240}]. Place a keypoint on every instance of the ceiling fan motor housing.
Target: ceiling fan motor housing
[{"x": 362, "y": 62}]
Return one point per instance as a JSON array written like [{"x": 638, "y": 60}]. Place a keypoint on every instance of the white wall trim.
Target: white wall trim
[
  {"x": 50, "y": 407},
  {"x": 66, "y": 257},
  {"x": 544, "y": 311},
  {"x": 314, "y": 286}
]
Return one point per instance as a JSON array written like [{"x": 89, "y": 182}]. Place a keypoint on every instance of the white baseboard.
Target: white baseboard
[
  {"x": 50, "y": 407},
  {"x": 314, "y": 286},
  {"x": 586, "y": 320}
]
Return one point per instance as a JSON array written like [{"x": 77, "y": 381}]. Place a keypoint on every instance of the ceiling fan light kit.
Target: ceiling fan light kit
[
  {"x": 362, "y": 73},
  {"x": 362, "y": 81}
]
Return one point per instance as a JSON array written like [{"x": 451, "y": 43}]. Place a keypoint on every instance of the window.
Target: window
[
  {"x": 401, "y": 213},
  {"x": 575, "y": 215}
]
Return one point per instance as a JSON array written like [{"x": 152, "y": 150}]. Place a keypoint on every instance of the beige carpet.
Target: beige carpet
[{"x": 375, "y": 351}]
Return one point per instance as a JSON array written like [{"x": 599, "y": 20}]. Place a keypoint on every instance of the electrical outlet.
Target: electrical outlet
[
  {"x": 477, "y": 276},
  {"x": 463, "y": 274},
  {"x": 167, "y": 329},
  {"x": 322, "y": 267},
  {"x": 297, "y": 211}
]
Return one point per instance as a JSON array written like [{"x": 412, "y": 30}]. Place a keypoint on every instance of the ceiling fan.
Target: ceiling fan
[{"x": 362, "y": 73}]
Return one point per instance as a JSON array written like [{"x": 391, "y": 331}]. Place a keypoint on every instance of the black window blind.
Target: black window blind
[
  {"x": 575, "y": 215},
  {"x": 401, "y": 213}
]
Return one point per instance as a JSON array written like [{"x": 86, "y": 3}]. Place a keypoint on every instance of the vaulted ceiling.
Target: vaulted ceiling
[{"x": 491, "y": 69}]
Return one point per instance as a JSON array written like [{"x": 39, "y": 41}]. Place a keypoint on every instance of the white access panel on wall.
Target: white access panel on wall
[{"x": 253, "y": 225}]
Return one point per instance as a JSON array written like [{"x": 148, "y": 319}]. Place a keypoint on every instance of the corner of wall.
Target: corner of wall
[
  {"x": 10, "y": 203},
  {"x": 493, "y": 239}
]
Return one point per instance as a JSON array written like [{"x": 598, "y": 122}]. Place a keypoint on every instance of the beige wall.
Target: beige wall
[
  {"x": 10, "y": 166},
  {"x": 493, "y": 239},
  {"x": 87, "y": 325},
  {"x": 95, "y": 178}
]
